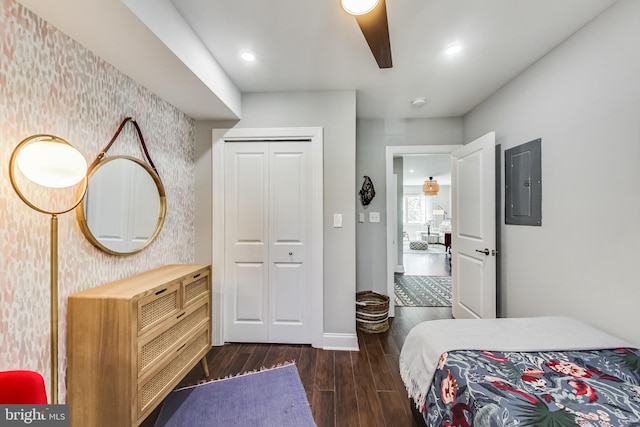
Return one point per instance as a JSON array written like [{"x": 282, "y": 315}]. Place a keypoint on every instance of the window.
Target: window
[
  {"x": 414, "y": 209},
  {"x": 418, "y": 209}
]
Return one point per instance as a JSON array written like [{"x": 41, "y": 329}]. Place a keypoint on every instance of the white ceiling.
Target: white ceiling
[
  {"x": 417, "y": 168},
  {"x": 314, "y": 45}
]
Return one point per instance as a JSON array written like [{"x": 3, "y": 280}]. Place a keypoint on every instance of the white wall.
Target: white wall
[
  {"x": 372, "y": 138},
  {"x": 335, "y": 113},
  {"x": 583, "y": 100}
]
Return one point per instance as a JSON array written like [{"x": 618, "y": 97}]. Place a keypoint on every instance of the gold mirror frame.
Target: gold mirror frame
[{"x": 81, "y": 214}]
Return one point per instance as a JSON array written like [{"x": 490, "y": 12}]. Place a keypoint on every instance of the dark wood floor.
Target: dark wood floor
[{"x": 345, "y": 388}]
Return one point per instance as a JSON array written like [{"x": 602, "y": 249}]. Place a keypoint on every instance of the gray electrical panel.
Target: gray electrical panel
[{"x": 523, "y": 184}]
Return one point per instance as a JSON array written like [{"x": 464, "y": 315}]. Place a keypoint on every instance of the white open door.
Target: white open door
[{"x": 473, "y": 229}]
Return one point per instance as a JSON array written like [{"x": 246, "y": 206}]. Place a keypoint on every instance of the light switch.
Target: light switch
[
  {"x": 337, "y": 220},
  {"x": 374, "y": 216},
  {"x": 361, "y": 217}
]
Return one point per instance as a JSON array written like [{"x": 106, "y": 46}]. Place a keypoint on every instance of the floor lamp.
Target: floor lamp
[{"x": 49, "y": 175}]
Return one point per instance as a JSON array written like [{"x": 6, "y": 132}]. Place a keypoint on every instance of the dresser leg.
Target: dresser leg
[{"x": 205, "y": 367}]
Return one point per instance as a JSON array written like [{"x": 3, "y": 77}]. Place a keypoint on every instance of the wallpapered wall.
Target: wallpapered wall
[{"x": 51, "y": 84}]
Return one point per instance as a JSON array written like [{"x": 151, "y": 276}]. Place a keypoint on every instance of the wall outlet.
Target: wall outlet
[{"x": 374, "y": 216}]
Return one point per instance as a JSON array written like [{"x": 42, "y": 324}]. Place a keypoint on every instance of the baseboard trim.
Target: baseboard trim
[
  {"x": 342, "y": 342},
  {"x": 399, "y": 269}
]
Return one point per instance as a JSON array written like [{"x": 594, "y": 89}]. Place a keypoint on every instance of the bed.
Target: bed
[{"x": 539, "y": 371}]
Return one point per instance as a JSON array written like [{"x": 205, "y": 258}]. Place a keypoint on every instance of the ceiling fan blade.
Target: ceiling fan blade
[{"x": 375, "y": 29}]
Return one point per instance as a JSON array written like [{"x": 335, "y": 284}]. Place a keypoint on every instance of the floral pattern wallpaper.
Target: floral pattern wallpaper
[{"x": 51, "y": 84}]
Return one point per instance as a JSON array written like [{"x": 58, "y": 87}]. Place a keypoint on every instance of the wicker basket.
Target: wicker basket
[{"x": 372, "y": 312}]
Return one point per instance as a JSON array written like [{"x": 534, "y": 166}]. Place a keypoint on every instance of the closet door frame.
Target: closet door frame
[{"x": 314, "y": 135}]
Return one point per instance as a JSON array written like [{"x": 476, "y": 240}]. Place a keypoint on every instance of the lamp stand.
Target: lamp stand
[
  {"x": 54, "y": 308},
  {"x": 62, "y": 166}
]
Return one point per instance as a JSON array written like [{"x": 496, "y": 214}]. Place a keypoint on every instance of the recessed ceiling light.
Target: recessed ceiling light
[
  {"x": 453, "y": 49},
  {"x": 247, "y": 56}
]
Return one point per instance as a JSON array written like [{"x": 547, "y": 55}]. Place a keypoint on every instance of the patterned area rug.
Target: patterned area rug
[{"x": 422, "y": 291}]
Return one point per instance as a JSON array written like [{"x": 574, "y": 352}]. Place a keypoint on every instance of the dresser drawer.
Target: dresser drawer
[
  {"x": 153, "y": 339},
  {"x": 158, "y": 345},
  {"x": 160, "y": 305},
  {"x": 151, "y": 390},
  {"x": 195, "y": 287}
]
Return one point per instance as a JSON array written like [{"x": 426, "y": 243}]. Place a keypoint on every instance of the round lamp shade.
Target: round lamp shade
[
  {"x": 359, "y": 7},
  {"x": 52, "y": 163},
  {"x": 48, "y": 173}
]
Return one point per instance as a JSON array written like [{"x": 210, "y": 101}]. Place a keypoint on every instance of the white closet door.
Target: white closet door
[
  {"x": 289, "y": 235},
  {"x": 267, "y": 229},
  {"x": 246, "y": 242}
]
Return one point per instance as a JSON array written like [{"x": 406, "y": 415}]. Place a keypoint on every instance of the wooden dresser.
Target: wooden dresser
[{"x": 130, "y": 342}]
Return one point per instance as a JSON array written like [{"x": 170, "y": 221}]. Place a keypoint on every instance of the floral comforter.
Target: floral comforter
[{"x": 569, "y": 388}]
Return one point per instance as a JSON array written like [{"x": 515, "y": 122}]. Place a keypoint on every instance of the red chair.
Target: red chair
[{"x": 22, "y": 387}]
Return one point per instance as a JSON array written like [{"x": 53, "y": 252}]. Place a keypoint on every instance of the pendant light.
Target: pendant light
[{"x": 430, "y": 187}]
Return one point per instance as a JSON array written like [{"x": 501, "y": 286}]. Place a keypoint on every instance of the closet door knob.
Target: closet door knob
[{"x": 290, "y": 253}]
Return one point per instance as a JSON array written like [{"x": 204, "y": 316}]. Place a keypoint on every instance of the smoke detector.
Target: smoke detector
[{"x": 418, "y": 102}]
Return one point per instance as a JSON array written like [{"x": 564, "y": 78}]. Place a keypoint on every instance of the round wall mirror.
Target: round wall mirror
[{"x": 124, "y": 207}]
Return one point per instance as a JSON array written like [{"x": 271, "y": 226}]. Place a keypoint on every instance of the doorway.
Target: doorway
[
  {"x": 423, "y": 276},
  {"x": 395, "y": 233}
]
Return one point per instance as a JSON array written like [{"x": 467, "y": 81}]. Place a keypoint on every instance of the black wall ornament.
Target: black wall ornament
[{"x": 367, "y": 193}]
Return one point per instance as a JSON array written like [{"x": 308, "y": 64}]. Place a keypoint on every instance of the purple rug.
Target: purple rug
[{"x": 269, "y": 398}]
